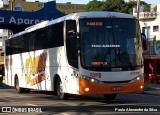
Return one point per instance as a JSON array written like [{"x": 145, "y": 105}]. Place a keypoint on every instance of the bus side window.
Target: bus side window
[
  {"x": 71, "y": 28},
  {"x": 26, "y": 41},
  {"x": 18, "y": 44},
  {"x": 8, "y": 48},
  {"x": 144, "y": 41},
  {"x": 55, "y": 35},
  {"x": 71, "y": 39},
  {"x": 40, "y": 39},
  {"x": 31, "y": 38}
]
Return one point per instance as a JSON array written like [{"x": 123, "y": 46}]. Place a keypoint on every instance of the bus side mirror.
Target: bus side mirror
[
  {"x": 71, "y": 33},
  {"x": 75, "y": 36},
  {"x": 144, "y": 41}
]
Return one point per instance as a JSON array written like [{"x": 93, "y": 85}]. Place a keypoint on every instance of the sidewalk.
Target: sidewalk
[
  {"x": 152, "y": 89},
  {"x": 6, "y": 87}
]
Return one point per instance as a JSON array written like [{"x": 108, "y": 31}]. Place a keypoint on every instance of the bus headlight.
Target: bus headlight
[
  {"x": 90, "y": 79},
  {"x": 139, "y": 77}
]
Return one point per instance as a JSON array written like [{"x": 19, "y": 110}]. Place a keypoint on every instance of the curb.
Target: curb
[{"x": 153, "y": 91}]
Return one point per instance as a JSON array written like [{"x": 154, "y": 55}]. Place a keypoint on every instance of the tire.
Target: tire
[
  {"x": 59, "y": 90},
  {"x": 25, "y": 90},
  {"x": 18, "y": 89},
  {"x": 110, "y": 97}
]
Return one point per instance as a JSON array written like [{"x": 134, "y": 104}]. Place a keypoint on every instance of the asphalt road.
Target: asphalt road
[{"x": 44, "y": 103}]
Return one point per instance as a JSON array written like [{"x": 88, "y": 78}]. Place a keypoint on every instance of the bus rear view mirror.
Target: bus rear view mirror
[{"x": 71, "y": 33}]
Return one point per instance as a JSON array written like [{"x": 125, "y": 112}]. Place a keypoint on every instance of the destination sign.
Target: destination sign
[{"x": 94, "y": 23}]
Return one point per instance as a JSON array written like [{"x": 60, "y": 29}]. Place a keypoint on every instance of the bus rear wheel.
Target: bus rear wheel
[
  {"x": 59, "y": 90},
  {"x": 109, "y": 97},
  {"x": 18, "y": 89}
]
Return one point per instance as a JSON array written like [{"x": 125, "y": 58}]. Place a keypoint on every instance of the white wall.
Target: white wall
[{"x": 151, "y": 23}]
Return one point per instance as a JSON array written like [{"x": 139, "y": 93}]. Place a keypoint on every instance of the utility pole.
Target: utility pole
[{"x": 138, "y": 5}]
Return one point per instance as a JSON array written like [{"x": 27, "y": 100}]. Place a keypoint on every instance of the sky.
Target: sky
[{"x": 86, "y": 1}]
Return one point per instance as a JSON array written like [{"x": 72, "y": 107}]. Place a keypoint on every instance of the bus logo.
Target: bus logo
[
  {"x": 95, "y": 75},
  {"x": 35, "y": 69}
]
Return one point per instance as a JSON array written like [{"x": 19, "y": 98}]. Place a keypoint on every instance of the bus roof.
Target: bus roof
[{"x": 76, "y": 16}]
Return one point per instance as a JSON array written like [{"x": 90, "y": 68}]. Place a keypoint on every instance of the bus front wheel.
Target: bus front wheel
[
  {"x": 110, "y": 96},
  {"x": 59, "y": 90}
]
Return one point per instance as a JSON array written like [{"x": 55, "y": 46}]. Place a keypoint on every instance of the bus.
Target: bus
[{"x": 83, "y": 53}]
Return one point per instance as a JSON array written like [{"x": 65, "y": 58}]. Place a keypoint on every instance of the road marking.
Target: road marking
[
  {"x": 31, "y": 104},
  {"x": 7, "y": 99},
  {"x": 65, "y": 114}
]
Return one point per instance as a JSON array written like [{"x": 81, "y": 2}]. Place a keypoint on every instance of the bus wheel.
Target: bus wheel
[
  {"x": 18, "y": 89},
  {"x": 26, "y": 90},
  {"x": 59, "y": 90},
  {"x": 109, "y": 97}
]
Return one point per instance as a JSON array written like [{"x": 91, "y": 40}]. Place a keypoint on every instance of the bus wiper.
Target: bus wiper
[
  {"x": 117, "y": 55},
  {"x": 109, "y": 51}
]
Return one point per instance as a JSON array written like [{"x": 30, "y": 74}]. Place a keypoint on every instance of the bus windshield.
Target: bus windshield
[{"x": 110, "y": 43}]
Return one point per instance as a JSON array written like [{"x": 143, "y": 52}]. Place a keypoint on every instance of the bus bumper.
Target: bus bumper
[{"x": 87, "y": 87}]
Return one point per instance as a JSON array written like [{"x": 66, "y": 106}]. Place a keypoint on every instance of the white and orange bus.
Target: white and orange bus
[{"x": 80, "y": 53}]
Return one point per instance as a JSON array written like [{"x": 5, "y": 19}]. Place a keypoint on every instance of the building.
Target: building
[
  {"x": 20, "y": 5},
  {"x": 4, "y": 32},
  {"x": 16, "y": 5},
  {"x": 68, "y": 8},
  {"x": 149, "y": 18},
  {"x": 23, "y": 5},
  {"x": 4, "y": 4}
]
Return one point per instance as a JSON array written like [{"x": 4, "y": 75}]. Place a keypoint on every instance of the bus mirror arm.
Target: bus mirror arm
[
  {"x": 77, "y": 44},
  {"x": 78, "y": 52}
]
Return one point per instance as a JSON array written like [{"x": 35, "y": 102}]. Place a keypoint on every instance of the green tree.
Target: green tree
[
  {"x": 94, "y": 5},
  {"x": 113, "y": 5},
  {"x": 130, "y": 6}
]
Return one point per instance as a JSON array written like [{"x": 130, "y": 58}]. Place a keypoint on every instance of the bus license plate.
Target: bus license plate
[{"x": 117, "y": 88}]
